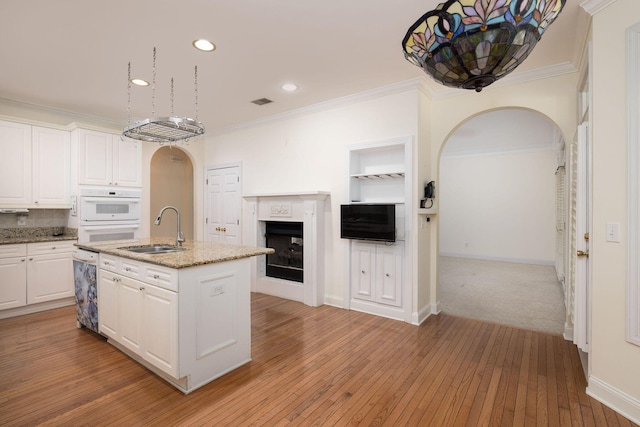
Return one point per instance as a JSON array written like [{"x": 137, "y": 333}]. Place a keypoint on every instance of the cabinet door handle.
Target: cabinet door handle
[
  {"x": 53, "y": 247},
  {"x": 142, "y": 288},
  {"x": 387, "y": 275},
  {"x": 363, "y": 272},
  {"x": 156, "y": 276},
  {"x": 23, "y": 260},
  {"x": 127, "y": 269},
  {"x": 30, "y": 259}
]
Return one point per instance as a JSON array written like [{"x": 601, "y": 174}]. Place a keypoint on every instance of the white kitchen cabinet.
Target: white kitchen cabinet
[
  {"x": 49, "y": 271},
  {"x": 51, "y": 160},
  {"x": 15, "y": 163},
  {"x": 34, "y": 166},
  {"x": 35, "y": 273},
  {"x": 105, "y": 159},
  {"x": 190, "y": 325},
  {"x": 160, "y": 328},
  {"x": 376, "y": 272},
  {"x": 130, "y": 313},
  {"x": 108, "y": 304},
  {"x": 139, "y": 316},
  {"x": 13, "y": 276}
]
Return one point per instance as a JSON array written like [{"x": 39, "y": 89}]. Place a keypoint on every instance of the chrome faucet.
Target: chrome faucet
[{"x": 180, "y": 238}]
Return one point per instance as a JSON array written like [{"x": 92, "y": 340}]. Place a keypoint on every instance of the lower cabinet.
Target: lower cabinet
[
  {"x": 141, "y": 317},
  {"x": 13, "y": 276},
  {"x": 188, "y": 325},
  {"x": 376, "y": 272},
  {"x": 35, "y": 272}
]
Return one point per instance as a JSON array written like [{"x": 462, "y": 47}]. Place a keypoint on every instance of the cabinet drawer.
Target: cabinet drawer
[
  {"x": 162, "y": 277},
  {"x": 109, "y": 263},
  {"x": 131, "y": 269},
  {"x": 51, "y": 247},
  {"x": 12, "y": 251}
]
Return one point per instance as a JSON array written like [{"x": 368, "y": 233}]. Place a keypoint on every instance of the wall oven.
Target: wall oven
[{"x": 109, "y": 214}]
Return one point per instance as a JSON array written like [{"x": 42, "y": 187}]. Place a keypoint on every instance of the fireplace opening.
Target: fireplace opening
[{"x": 286, "y": 239}]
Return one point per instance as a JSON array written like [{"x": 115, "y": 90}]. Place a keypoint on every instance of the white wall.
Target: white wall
[
  {"x": 498, "y": 206},
  {"x": 306, "y": 152},
  {"x": 614, "y": 362}
]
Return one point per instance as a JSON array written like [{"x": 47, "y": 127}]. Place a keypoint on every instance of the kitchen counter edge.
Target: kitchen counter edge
[{"x": 195, "y": 253}]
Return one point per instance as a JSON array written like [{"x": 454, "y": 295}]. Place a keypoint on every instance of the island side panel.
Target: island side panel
[{"x": 215, "y": 320}]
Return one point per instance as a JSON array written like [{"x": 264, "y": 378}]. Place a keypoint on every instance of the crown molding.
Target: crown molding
[
  {"x": 426, "y": 85},
  {"x": 594, "y": 6},
  {"x": 515, "y": 78},
  {"x": 413, "y": 84}
]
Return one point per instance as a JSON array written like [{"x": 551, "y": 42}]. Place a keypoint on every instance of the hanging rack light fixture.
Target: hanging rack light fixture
[
  {"x": 470, "y": 44},
  {"x": 162, "y": 130}
]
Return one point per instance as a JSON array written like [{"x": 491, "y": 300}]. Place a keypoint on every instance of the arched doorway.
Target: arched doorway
[
  {"x": 171, "y": 185},
  {"x": 497, "y": 220}
]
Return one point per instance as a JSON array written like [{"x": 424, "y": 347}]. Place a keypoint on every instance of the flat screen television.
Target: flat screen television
[{"x": 368, "y": 222}]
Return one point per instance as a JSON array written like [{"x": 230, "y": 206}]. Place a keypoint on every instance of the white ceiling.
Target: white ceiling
[{"x": 72, "y": 55}]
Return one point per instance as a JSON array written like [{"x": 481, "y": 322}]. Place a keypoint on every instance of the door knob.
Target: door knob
[{"x": 583, "y": 253}]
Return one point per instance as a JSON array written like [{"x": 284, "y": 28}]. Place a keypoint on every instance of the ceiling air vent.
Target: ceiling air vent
[{"x": 262, "y": 101}]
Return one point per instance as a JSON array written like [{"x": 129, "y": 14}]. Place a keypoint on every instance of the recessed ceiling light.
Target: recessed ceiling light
[
  {"x": 204, "y": 45},
  {"x": 139, "y": 82},
  {"x": 289, "y": 87}
]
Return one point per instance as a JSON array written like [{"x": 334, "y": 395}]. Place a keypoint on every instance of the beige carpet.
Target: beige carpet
[{"x": 522, "y": 295}]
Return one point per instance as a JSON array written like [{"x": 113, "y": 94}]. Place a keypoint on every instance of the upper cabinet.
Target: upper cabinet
[
  {"x": 105, "y": 159},
  {"x": 34, "y": 166},
  {"x": 51, "y": 174}
]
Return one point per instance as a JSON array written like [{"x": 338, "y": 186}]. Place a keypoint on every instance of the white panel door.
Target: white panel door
[
  {"x": 582, "y": 285},
  {"x": 362, "y": 271},
  {"x": 51, "y": 166},
  {"x": 130, "y": 313},
  {"x": 389, "y": 274},
  {"x": 127, "y": 162},
  {"x": 160, "y": 328},
  {"x": 223, "y": 205},
  {"x": 15, "y": 163},
  {"x": 13, "y": 282},
  {"x": 108, "y": 304},
  {"x": 49, "y": 277},
  {"x": 95, "y": 158}
]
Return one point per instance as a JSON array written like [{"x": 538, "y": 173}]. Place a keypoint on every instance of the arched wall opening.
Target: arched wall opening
[
  {"x": 497, "y": 212},
  {"x": 171, "y": 174}
]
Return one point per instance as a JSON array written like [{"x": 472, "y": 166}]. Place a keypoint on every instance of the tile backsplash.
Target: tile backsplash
[{"x": 36, "y": 218}]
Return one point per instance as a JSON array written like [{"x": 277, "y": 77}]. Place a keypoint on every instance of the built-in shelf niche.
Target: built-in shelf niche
[{"x": 377, "y": 174}]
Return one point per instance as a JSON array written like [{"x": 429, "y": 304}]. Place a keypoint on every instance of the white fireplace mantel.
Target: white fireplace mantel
[{"x": 306, "y": 207}]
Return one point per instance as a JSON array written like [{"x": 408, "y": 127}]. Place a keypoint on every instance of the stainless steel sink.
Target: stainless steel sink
[{"x": 153, "y": 249}]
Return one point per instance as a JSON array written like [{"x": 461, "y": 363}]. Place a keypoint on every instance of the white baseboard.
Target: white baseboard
[
  {"x": 502, "y": 259},
  {"x": 334, "y": 301},
  {"x": 418, "y": 317},
  {"x": 615, "y": 399},
  {"x": 34, "y": 308}
]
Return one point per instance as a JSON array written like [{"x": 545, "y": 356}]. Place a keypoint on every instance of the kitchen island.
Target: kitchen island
[{"x": 184, "y": 314}]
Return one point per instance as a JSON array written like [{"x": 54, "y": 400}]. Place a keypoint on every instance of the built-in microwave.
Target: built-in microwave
[{"x": 98, "y": 205}]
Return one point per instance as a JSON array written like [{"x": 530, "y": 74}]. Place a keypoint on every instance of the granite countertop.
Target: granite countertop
[
  {"x": 195, "y": 253},
  {"x": 10, "y": 236}
]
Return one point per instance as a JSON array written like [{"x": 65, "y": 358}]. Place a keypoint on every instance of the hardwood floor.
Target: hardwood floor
[{"x": 311, "y": 366}]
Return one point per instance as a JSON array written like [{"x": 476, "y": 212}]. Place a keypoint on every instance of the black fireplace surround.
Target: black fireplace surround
[{"x": 287, "y": 261}]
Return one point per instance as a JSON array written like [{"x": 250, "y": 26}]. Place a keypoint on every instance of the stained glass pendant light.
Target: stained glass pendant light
[
  {"x": 470, "y": 44},
  {"x": 169, "y": 130}
]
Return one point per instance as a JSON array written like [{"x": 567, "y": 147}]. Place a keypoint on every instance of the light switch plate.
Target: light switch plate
[{"x": 613, "y": 232}]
